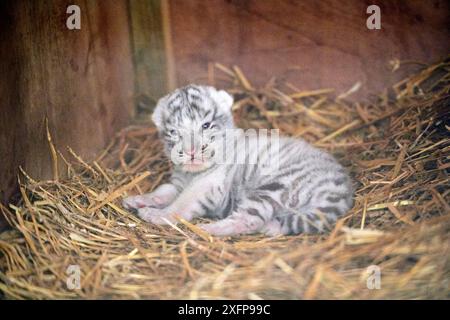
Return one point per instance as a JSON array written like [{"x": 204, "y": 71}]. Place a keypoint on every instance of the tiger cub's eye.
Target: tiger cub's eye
[{"x": 206, "y": 125}]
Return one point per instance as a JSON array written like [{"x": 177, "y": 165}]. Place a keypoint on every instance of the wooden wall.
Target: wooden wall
[
  {"x": 81, "y": 80},
  {"x": 313, "y": 44}
]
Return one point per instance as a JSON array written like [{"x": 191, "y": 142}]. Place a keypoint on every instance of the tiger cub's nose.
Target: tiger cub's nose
[{"x": 190, "y": 152}]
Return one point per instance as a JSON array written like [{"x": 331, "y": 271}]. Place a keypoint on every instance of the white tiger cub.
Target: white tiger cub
[{"x": 304, "y": 191}]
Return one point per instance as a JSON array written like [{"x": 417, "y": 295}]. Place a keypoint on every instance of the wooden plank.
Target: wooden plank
[
  {"x": 149, "y": 49},
  {"x": 81, "y": 80},
  {"x": 313, "y": 44},
  {"x": 168, "y": 43}
]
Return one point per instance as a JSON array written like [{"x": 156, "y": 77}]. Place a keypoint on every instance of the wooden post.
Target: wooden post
[{"x": 150, "y": 42}]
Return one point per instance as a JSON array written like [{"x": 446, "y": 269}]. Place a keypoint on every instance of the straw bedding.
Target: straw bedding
[{"x": 395, "y": 146}]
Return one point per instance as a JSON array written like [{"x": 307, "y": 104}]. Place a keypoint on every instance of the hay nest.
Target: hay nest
[{"x": 396, "y": 147}]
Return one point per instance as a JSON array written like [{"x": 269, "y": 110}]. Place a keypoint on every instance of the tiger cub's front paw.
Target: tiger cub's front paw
[
  {"x": 141, "y": 201},
  {"x": 155, "y": 215}
]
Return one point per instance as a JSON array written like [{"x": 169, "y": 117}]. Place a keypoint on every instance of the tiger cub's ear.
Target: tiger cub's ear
[
  {"x": 223, "y": 98},
  {"x": 157, "y": 117}
]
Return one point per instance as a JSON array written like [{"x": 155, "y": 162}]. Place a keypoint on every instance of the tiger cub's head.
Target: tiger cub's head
[{"x": 192, "y": 121}]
